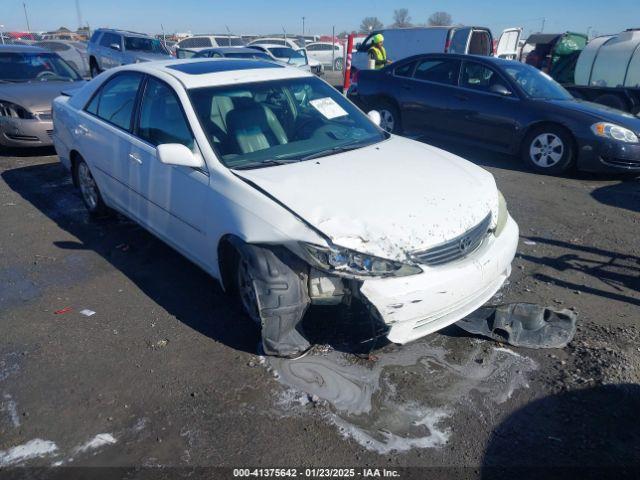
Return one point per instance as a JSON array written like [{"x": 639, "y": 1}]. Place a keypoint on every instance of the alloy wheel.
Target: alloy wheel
[
  {"x": 88, "y": 187},
  {"x": 546, "y": 150},
  {"x": 387, "y": 122}
]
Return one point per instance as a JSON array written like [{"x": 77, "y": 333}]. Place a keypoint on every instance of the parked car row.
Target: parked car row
[{"x": 30, "y": 78}]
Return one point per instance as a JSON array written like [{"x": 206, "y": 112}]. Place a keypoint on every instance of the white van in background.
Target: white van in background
[{"x": 404, "y": 42}]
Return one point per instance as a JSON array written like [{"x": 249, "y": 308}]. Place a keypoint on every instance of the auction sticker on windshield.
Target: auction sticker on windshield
[{"x": 328, "y": 107}]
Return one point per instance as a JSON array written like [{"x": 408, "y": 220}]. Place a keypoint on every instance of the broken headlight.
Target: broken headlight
[
  {"x": 342, "y": 261},
  {"x": 8, "y": 109},
  {"x": 503, "y": 214}
]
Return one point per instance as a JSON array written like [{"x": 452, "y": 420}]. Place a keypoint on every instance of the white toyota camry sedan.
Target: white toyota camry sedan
[{"x": 280, "y": 188}]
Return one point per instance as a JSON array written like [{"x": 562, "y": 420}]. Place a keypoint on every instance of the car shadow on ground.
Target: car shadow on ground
[
  {"x": 589, "y": 433},
  {"x": 26, "y": 152},
  {"x": 619, "y": 271},
  {"x": 169, "y": 279},
  {"x": 622, "y": 195}
]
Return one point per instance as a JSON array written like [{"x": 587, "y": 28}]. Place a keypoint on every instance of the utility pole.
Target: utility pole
[
  {"x": 24, "y": 5},
  {"x": 543, "y": 20},
  {"x": 2, "y": 33},
  {"x": 333, "y": 47},
  {"x": 229, "y": 36},
  {"x": 79, "y": 12},
  {"x": 303, "y": 19},
  {"x": 588, "y": 30}
]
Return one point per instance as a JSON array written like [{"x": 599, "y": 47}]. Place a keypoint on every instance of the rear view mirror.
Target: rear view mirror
[
  {"x": 500, "y": 89},
  {"x": 115, "y": 46},
  {"x": 178, "y": 154},
  {"x": 375, "y": 117}
]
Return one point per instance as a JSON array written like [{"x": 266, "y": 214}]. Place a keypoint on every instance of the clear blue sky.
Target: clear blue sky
[{"x": 256, "y": 17}]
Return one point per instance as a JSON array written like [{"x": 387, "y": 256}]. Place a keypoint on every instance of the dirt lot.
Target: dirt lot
[{"x": 165, "y": 372}]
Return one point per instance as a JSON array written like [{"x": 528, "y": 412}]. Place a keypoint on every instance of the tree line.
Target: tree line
[{"x": 402, "y": 19}]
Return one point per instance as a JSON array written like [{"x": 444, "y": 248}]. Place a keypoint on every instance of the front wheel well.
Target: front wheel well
[
  {"x": 540, "y": 126},
  {"x": 227, "y": 260}
]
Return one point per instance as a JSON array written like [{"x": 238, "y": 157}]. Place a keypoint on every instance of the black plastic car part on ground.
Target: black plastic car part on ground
[{"x": 500, "y": 105}]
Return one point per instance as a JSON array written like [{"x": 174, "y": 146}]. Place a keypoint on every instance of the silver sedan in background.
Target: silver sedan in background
[{"x": 30, "y": 78}]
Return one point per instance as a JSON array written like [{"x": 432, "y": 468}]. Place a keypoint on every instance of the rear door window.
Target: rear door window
[
  {"x": 115, "y": 100},
  {"x": 444, "y": 71}
]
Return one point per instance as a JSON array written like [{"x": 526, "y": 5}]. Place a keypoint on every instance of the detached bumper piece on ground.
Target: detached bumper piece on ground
[{"x": 523, "y": 325}]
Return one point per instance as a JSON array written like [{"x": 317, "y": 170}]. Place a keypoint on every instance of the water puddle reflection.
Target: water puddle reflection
[{"x": 406, "y": 398}]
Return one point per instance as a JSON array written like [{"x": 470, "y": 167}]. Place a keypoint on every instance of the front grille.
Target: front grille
[
  {"x": 457, "y": 248},
  {"x": 22, "y": 138},
  {"x": 622, "y": 163},
  {"x": 50, "y": 133}
]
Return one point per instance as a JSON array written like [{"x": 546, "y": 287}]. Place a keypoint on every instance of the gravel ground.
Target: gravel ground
[{"x": 165, "y": 372}]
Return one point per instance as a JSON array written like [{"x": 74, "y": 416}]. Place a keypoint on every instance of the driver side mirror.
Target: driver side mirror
[
  {"x": 115, "y": 46},
  {"x": 500, "y": 90},
  {"x": 375, "y": 117},
  {"x": 178, "y": 154}
]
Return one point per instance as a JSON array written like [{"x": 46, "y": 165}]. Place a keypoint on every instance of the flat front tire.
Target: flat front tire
[{"x": 271, "y": 292}]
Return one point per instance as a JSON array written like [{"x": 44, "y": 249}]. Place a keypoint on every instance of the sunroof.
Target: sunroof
[{"x": 208, "y": 66}]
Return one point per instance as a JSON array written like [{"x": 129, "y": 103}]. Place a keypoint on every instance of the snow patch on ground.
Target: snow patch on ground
[
  {"x": 9, "y": 405},
  {"x": 35, "y": 448},
  {"x": 96, "y": 442}
]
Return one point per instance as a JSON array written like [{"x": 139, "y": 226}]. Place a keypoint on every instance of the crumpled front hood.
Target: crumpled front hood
[
  {"x": 35, "y": 96},
  {"x": 387, "y": 199}
]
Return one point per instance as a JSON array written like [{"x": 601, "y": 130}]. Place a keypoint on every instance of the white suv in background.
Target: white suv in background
[{"x": 202, "y": 42}]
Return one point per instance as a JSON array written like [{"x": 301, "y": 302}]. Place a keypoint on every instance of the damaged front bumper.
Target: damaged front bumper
[{"x": 417, "y": 305}]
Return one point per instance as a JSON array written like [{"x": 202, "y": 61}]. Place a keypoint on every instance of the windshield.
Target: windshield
[
  {"x": 261, "y": 124},
  {"x": 255, "y": 55},
  {"x": 292, "y": 56},
  {"x": 142, "y": 44},
  {"x": 26, "y": 67},
  {"x": 535, "y": 83}
]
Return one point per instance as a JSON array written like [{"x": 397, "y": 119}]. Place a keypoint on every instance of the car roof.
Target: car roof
[
  {"x": 22, "y": 49},
  {"x": 209, "y": 72},
  {"x": 124, "y": 32},
  {"x": 230, "y": 49},
  {"x": 270, "y": 45},
  {"x": 477, "y": 58}
]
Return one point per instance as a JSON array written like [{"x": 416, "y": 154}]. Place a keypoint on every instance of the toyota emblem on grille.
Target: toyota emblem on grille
[{"x": 465, "y": 244}]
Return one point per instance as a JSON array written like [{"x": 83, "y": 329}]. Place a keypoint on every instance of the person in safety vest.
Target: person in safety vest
[{"x": 377, "y": 53}]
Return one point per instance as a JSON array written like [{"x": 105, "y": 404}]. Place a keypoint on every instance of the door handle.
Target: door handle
[
  {"x": 81, "y": 130},
  {"x": 462, "y": 97},
  {"x": 136, "y": 158}
]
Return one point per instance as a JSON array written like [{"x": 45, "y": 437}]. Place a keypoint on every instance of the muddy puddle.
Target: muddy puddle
[{"x": 407, "y": 397}]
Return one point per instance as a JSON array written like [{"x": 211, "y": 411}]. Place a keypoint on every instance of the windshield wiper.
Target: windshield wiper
[
  {"x": 338, "y": 149},
  {"x": 265, "y": 163}
]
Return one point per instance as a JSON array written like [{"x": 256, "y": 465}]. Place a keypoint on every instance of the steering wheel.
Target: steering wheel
[{"x": 46, "y": 73}]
